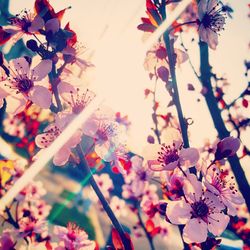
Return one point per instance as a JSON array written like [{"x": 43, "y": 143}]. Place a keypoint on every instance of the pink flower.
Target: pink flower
[
  {"x": 170, "y": 155},
  {"x": 227, "y": 147},
  {"x": 118, "y": 206},
  {"x": 211, "y": 21},
  {"x": 136, "y": 179},
  {"x": 34, "y": 191},
  {"x": 76, "y": 99},
  {"x": 174, "y": 182},
  {"x": 6, "y": 240},
  {"x": 73, "y": 237},
  {"x": 24, "y": 23},
  {"x": 50, "y": 134},
  {"x": 14, "y": 126},
  {"x": 72, "y": 54},
  {"x": 28, "y": 227},
  {"x": 223, "y": 185},
  {"x": 156, "y": 61},
  {"x": 109, "y": 138},
  {"x": 24, "y": 84},
  {"x": 105, "y": 183},
  {"x": 200, "y": 211}
]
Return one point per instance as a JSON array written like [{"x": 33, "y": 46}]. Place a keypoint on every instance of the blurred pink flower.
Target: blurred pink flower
[
  {"x": 105, "y": 183},
  {"x": 118, "y": 206},
  {"x": 211, "y": 21},
  {"x": 73, "y": 237},
  {"x": 29, "y": 226},
  {"x": 200, "y": 211},
  {"x": 6, "y": 240}
]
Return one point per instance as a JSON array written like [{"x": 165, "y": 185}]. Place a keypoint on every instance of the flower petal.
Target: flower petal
[
  {"x": 217, "y": 223},
  {"x": 178, "y": 212},
  {"x": 22, "y": 66},
  {"x": 41, "y": 70},
  {"x": 41, "y": 96},
  {"x": 192, "y": 188},
  {"x": 36, "y": 24},
  {"x": 52, "y": 25},
  {"x": 189, "y": 157},
  {"x": 15, "y": 105},
  {"x": 195, "y": 231},
  {"x": 62, "y": 156}
]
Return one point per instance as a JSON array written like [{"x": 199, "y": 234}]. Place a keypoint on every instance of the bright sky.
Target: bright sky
[{"x": 109, "y": 26}]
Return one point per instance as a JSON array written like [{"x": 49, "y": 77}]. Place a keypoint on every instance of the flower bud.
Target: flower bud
[
  {"x": 32, "y": 45},
  {"x": 227, "y": 147}
]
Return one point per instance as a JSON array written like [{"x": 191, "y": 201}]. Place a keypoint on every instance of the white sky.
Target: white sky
[{"x": 110, "y": 26}]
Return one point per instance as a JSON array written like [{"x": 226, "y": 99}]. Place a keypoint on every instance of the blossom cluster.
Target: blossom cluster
[{"x": 199, "y": 191}]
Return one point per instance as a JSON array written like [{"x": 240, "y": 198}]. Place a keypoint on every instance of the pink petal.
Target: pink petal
[
  {"x": 171, "y": 135},
  {"x": 36, "y": 24},
  {"x": 62, "y": 156},
  {"x": 181, "y": 56},
  {"x": 75, "y": 139},
  {"x": 178, "y": 212},
  {"x": 192, "y": 188},
  {"x": 195, "y": 231},
  {"x": 231, "y": 208},
  {"x": 62, "y": 119},
  {"x": 90, "y": 127},
  {"x": 52, "y": 25},
  {"x": 212, "y": 39},
  {"x": 213, "y": 201},
  {"x": 22, "y": 66},
  {"x": 3, "y": 93},
  {"x": 202, "y": 7},
  {"x": 217, "y": 223},
  {"x": 42, "y": 70},
  {"x": 65, "y": 89},
  {"x": 189, "y": 157},
  {"x": 150, "y": 151},
  {"x": 15, "y": 105},
  {"x": 41, "y": 96},
  {"x": 171, "y": 166}
]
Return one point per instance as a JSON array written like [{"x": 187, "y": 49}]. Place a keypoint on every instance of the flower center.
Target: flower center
[
  {"x": 200, "y": 209},
  {"x": 24, "y": 85},
  {"x": 168, "y": 154},
  {"x": 214, "y": 19},
  {"x": 80, "y": 100},
  {"x": 22, "y": 20}
]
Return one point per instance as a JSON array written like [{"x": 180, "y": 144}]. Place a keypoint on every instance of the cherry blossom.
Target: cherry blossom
[
  {"x": 73, "y": 237},
  {"x": 200, "y": 212},
  {"x": 221, "y": 184},
  {"x": 212, "y": 20},
  {"x": 25, "y": 84},
  {"x": 170, "y": 154},
  {"x": 24, "y": 23}
]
